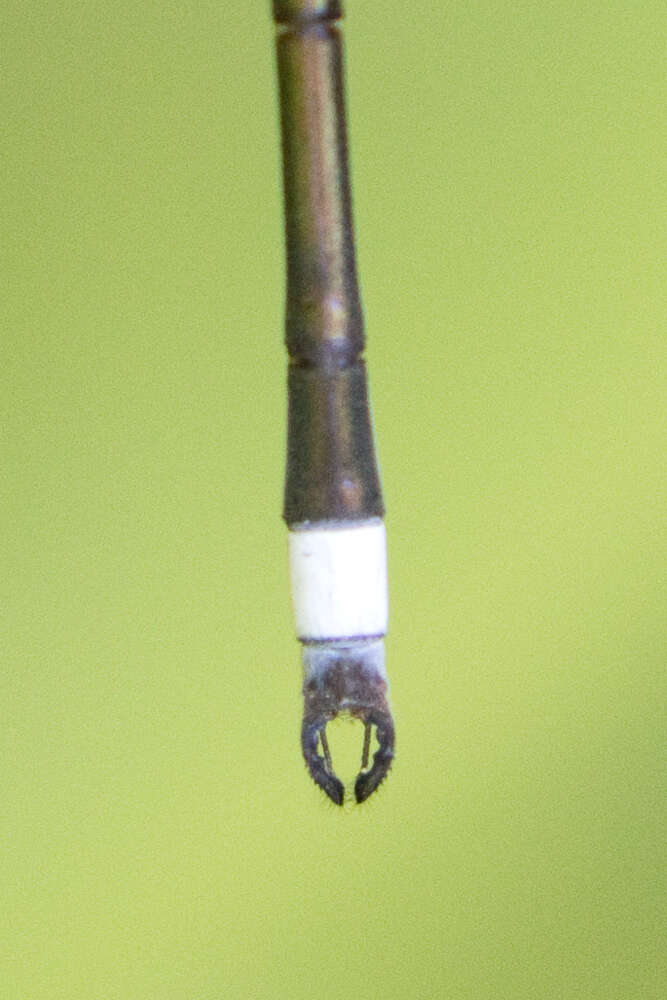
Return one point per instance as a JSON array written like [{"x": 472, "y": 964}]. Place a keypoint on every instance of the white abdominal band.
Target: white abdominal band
[{"x": 339, "y": 581}]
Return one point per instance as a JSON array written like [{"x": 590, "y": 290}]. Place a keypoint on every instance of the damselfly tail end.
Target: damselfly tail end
[{"x": 344, "y": 677}]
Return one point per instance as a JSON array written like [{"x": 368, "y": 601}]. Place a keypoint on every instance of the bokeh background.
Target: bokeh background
[{"x": 160, "y": 837}]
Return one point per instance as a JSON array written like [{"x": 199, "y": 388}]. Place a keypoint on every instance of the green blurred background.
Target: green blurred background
[{"x": 160, "y": 837}]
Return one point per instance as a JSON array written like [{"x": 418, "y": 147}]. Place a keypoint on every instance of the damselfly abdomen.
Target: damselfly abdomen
[{"x": 333, "y": 500}]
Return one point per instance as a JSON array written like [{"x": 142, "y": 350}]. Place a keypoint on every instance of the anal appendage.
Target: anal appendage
[{"x": 346, "y": 677}]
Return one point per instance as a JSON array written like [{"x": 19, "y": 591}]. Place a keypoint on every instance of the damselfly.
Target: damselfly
[{"x": 333, "y": 500}]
